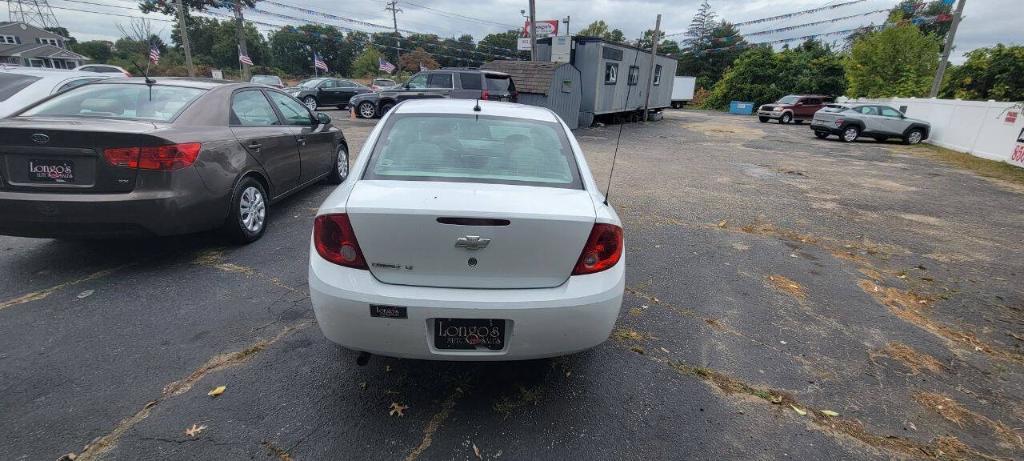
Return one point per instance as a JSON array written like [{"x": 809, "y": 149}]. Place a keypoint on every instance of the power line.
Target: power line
[
  {"x": 462, "y": 16},
  {"x": 798, "y": 13}
]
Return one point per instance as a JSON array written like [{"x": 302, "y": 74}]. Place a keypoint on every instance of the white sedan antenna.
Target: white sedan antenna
[{"x": 629, "y": 88}]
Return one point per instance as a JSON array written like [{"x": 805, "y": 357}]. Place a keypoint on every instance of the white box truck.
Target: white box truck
[{"x": 682, "y": 90}]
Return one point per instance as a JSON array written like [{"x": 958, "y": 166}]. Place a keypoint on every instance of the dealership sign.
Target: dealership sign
[{"x": 546, "y": 28}]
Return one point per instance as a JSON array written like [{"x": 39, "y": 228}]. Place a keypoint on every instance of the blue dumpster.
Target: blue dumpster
[{"x": 741, "y": 108}]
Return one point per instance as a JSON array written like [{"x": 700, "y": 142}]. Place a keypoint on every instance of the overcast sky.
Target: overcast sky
[{"x": 986, "y": 22}]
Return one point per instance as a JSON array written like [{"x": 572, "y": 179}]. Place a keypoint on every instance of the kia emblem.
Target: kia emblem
[{"x": 40, "y": 138}]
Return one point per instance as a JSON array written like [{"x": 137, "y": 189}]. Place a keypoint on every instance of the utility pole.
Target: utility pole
[
  {"x": 654, "y": 55},
  {"x": 946, "y": 49},
  {"x": 566, "y": 21},
  {"x": 240, "y": 32},
  {"x": 533, "y": 30},
  {"x": 394, "y": 9},
  {"x": 183, "y": 31}
]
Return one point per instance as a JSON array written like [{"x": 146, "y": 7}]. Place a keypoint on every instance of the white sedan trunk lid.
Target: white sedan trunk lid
[{"x": 398, "y": 228}]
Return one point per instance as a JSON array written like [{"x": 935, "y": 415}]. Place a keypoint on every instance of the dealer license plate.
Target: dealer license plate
[
  {"x": 469, "y": 334},
  {"x": 50, "y": 170}
]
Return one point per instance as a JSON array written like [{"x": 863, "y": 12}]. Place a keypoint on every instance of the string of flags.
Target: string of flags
[
  {"x": 915, "y": 21},
  {"x": 798, "y": 13},
  {"x": 810, "y": 24}
]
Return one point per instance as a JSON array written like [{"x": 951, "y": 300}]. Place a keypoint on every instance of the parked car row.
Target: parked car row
[
  {"x": 848, "y": 121},
  {"x": 388, "y": 272},
  {"x": 441, "y": 83}
]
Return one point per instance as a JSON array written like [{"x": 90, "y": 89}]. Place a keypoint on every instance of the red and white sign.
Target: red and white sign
[
  {"x": 545, "y": 28},
  {"x": 1011, "y": 117}
]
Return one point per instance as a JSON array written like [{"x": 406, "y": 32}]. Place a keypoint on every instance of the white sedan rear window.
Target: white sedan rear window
[{"x": 444, "y": 147}]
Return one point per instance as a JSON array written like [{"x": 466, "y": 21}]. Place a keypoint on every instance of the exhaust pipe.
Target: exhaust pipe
[{"x": 363, "y": 359}]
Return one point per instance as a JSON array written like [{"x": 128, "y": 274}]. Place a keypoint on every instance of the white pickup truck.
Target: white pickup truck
[{"x": 682, "y": 91}]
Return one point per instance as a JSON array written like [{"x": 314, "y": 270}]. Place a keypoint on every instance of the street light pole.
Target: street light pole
[
  {"x": 394, "y": 9},
  {"x": 654, "y": 55},
  {"x": 566, "y": 21},
  {"x": 183, "y": 31},
  {"x": 533, "y": 30},
  {"x": 946, "y": 49}
]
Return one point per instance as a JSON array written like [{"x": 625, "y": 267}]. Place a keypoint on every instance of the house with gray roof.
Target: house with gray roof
[
  {"x": 555, "y": 85},
  {"x": 29, "y": 46}
]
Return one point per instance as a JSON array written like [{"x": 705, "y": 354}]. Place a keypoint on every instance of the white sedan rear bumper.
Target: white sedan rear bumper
[{"x": 540, "y": 322}]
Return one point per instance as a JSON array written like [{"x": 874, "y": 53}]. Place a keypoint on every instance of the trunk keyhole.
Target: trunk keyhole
[{"x": 471, "y": 262}]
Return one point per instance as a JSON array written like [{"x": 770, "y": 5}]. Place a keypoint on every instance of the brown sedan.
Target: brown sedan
[{"x": 172, "y": 156}]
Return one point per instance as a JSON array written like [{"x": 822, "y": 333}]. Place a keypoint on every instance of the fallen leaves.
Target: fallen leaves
[
  {"x": 782, "y": 283},
  {"x": 217, "y": 391},
  {"x": 798, "y": 410},
  {"x": 476, "y": 451},
  {"x": 829, "y": 413},
  {"x": 397, "y": 409},
  {"x": 85, "y": 294},
  {"x": 195, "y": 430}
]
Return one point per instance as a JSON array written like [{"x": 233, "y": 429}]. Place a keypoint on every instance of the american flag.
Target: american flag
[
  {"x": 386, "y": 66},
  {"x": 154, "y": 54},
  {"x": 423, "y": 68},
  {"x": 244, "y": 58},
  {"x": 318, "y": 62}
]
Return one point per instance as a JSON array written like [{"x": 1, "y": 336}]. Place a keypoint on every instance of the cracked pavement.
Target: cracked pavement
[{"x": 769, "y": 274}]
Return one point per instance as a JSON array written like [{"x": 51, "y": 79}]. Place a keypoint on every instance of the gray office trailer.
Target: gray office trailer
[
  {"x": 554, "y": 85},
  {"x": 611, "y": 72}
]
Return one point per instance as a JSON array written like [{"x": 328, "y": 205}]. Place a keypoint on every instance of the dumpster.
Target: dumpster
[{"x": 741, "y": 107}]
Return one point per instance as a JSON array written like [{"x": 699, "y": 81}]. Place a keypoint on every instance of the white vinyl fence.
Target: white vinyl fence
[{"x": 987, "y": 129}]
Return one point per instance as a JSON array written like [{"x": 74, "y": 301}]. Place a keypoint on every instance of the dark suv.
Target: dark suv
[
  {"x": 459, "y": 83},
  {"x": 792, "y": 108}
]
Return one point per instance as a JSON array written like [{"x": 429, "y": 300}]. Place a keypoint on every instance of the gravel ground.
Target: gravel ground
[{"x": 788, "y": 297}]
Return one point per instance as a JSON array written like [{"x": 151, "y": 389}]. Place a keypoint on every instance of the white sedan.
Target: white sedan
[{"x": 467, "y": 232}]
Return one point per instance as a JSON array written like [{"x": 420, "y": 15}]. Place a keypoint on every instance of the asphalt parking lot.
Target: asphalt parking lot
[{"x": 787, "y": 298}]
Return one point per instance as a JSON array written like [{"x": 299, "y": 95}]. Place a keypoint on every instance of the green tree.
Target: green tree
[
  {"x": 412, "y": 60},
  {"x": 602, "y": 30},
  {"x": 761, "y": 75},
  {"x": 752, "y": 77},
  {"x": 169, "y": 7},
  {"x": 989, "y": 73},
  {"x": 896, "y": 61},
  {"x": 708, "y": 59},
  {"x": 505, "y": 43},
  {"x": 97, "y": 50},
  {"x": 63, "y": 33},
  {"x": 699, "y": 33},
  {"x": 367, "y": 63}
]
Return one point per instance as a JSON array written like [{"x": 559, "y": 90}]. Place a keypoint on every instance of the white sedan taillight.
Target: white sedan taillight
[
  {"x": 602, "y": 251},
  {"x": 336, "y": 242}
]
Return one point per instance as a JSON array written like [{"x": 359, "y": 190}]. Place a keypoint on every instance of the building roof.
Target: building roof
[
  {"x": 529, "y": 76},
  {"x": 8, "y": 27},
  {"x": 35, "y": 50}
]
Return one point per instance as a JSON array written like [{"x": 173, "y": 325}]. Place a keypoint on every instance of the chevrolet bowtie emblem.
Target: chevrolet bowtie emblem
[{"x": 472, "y": 242}]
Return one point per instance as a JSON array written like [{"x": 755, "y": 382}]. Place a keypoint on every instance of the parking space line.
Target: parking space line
[
  {"x": 435, "y": 424},
  {"x": 42, "y": 294},
  {"x": 103, "y": 444}
]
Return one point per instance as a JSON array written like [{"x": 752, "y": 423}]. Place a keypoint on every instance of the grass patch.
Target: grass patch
[{"x": 982, "y": 166}]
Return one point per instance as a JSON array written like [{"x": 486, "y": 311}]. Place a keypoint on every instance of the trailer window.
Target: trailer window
[
  {"x": 611, "y": 73},
  {"x": 657, "y": 74},
  {"x": 634, "y": 75}
]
